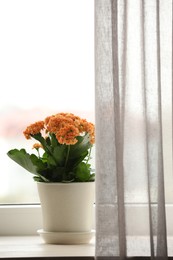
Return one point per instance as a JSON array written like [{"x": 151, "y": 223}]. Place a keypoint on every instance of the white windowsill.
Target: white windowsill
[
  {"x": 19, "y": 225},
  {"x": 33, "y": 246}
]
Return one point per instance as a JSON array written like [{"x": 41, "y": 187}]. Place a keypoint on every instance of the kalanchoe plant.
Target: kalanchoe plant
[{"x": 64, "y": 143}]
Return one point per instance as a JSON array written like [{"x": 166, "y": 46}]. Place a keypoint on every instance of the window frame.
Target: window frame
[
  {"x": 20, "y": 219},
  {"x": 26, "y": 219}
]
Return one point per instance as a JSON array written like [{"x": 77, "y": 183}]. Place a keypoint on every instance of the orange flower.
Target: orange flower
[
  {"x": 37, "y": 146},
  {"x": 55, "y": 122},
  {"x": 33, "y": 129},
  {"x": 66, "y": 126},
  {"x": 67, "y": 134}
]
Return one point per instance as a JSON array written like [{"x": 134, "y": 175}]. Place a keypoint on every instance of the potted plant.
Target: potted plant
[{"x": 65, "y": 179}]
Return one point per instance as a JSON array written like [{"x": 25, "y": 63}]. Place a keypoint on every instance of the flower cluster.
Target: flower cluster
[
  {"x": 65, "y": 126},
  {"x": 66, "y": 141}
]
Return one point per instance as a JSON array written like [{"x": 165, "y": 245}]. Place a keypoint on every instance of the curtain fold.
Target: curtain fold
[{"x": 133, "y": 71}]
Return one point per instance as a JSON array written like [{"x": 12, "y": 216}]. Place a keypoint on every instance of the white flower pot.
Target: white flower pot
[{"x": 67, "y": 212}]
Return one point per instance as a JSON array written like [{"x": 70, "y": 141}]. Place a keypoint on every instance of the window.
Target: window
[{"x": 47, "y": 66}]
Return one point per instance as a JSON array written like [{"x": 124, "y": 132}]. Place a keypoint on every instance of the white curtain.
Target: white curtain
[{"x": 133, "y": 69}]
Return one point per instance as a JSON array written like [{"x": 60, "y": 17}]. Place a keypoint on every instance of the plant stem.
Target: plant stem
[
  {"x": 66, "y": 160},
  {"x": 67, "y": 156},
  {"x": 38, "y": 153}
]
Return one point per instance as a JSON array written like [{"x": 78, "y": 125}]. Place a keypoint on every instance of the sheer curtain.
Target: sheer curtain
[{"x": 133, "y": 59}]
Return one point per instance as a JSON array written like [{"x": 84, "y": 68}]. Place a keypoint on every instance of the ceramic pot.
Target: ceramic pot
[{"x": 67, "y": 211}]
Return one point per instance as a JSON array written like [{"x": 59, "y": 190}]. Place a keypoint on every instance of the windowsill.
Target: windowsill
[{"x": 34, "y": 246}]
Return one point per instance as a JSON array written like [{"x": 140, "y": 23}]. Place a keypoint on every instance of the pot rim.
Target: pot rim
[{"x": 65, "y": 183}]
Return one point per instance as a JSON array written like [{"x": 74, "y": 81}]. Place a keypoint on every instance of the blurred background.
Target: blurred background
[{"x": 46, "y": 67}]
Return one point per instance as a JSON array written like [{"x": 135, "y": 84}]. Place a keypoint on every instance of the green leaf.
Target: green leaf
[
  {"x": 23, "y": 159},
  {"x": 59, "y": 153},
  {"x": 92, "y": 177},
  {"x": 50, "y": 161},
  {"x": 39, "y": 138},
  {"x": 80, "y": 147},
  {"x": 54, "y": 141},
  {"x": 45, "y": 142},
  {"x": 40, "y": 178},
  {"x": 73, "y": 162},
  {"x": 82, "y": 172},
  {"x": 54, "y": 174},
  {"x": 38, "y": 162}
]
